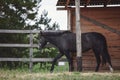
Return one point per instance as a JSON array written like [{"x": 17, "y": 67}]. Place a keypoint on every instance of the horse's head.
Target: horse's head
[{"x": 42, "y": 40}]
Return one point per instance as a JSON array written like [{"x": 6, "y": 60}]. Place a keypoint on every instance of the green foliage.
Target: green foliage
[
  {"x": 48, "y": 52},
  {"x": 14, "y": 13}
]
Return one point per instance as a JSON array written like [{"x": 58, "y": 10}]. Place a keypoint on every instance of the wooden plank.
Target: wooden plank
[
  {"x": 68, "y": 20},
  {"x": 24, "y": 31},
  {"x": 19, "y": 31},
  {"x": 27, "y": 59},
  {"x": 67, "y": 3},
  {"x": 17, "y": 45},
  {"x": 33, "y": 59}
]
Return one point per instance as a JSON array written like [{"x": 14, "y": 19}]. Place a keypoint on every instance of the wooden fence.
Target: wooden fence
[{"x": 31, "y": 45}]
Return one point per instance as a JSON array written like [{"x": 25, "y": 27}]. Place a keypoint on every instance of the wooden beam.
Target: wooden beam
[
  {"x": 67, "y": 3},
  {"x": 17, "y": 45},
  {"x": 106, "y": 2},
  {"x": 61, "y": 8},
  {"x": 87, "y": 2},
  {"x": 28, "y": 59},
  {"x": 68, "y": 19},
  {"x": 33, "y": 59},
  {"x": 78, "y": 36},
  {"x": 19, "y": 31}
]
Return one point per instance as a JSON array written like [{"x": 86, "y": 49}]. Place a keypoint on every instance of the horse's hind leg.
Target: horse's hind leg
[
  {"x": 98, "y": 60},
  {"x": 54, "y": 61},
  {"x": 98, "y": 63},
  {"x": 109, "y": 62},
  {"x": 111, "y": 68},
  {"x": 67, "y": 54},
  {"x": 107, "y": 57}
]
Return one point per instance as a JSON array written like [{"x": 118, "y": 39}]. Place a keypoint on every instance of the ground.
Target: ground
[{"x": 26, "y": 75}]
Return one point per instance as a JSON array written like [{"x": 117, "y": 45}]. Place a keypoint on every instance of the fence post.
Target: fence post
[{"x": 31, "y": 52}]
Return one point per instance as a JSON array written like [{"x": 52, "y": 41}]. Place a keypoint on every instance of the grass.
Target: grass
[
  {"x": 60, "y": 73},
  {"x": 26, "y": 75}
]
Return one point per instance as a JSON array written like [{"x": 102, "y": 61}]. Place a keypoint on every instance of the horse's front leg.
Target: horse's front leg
[{"x": 54, "y": 61}]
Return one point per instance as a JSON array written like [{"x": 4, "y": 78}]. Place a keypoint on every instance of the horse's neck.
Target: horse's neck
[
  {"x": 53, "y": 40},
  {"x": 52, "y": 33}
]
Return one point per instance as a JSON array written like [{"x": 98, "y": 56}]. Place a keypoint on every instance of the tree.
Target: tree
[{"x": 13, "y": 15}]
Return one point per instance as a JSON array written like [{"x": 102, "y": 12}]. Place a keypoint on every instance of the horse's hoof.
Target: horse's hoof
[
  {"x": 96, "y": 70},
  {"x": 111, "y": 70}
]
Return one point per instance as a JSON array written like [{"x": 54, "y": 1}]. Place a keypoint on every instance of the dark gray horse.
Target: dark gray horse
[{"x": 65, "y": 41}]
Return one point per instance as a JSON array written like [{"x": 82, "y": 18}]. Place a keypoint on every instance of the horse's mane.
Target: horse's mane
[{"x": 54, "y": 33}]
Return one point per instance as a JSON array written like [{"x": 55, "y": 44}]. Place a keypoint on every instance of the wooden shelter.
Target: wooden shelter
[{"x": 101, "y": 16}]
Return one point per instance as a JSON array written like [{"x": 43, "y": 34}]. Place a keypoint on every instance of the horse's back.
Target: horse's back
[
  {"x": 86, "y": 37},
  {"x": 89, "y": 40},
  {"x": 96, "y": 35}
]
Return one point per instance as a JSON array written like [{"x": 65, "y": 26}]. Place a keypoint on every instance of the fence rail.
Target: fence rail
[
  {"x": 33, "y": 59},
  {"x": 31, "y": 45},
  {"x": 18, "y": 45},
  {"x": 19, "y": 31},
  {"x": 27, "y": 59}
]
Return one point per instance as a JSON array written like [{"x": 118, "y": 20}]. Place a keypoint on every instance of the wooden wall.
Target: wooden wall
[{"x": 107, "y": 22}]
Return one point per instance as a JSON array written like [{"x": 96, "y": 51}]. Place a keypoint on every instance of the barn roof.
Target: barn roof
[{"x": 88, "y": 2}]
